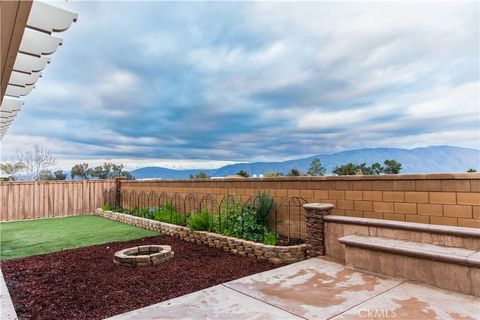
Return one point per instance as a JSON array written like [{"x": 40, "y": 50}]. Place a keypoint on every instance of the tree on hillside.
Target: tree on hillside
[
  {"x": 12, "y": 169},
  {"x": 243, "y": 173},
  {"x": 373, "y": 170},
  {"x": 316, "y": 168},
  {"x": 349, "y": 169},
  {"x": 376, "y": 169},
  {"x": 108, "y": 170},
  {"x": 80, "y": 171},
  {"x": 392, "y": 167},
  {"x": 49, "y": 175},
  {"x": 471, "y": 170},
  {"x": 200, "y": 175},
  {"x": 362, "y": 168},
  {"x": 35, "y": 161},
  {"x": 293, "y": 173}
]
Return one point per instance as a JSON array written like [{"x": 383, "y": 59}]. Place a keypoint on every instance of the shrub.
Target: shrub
[
  {"x": 264, "y": 207},
  {"x": 270, "y": 238},
  {"x": 107, "y": 207},
  {"x": 201, "y": 221},
  {"x": 168, "y": 214}
]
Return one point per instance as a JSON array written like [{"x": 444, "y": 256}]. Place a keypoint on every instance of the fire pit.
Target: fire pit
[{"x": 143, "y": 256}]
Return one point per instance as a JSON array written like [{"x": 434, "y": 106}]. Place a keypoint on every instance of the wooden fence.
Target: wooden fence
[{"x": 46, "y": 199}]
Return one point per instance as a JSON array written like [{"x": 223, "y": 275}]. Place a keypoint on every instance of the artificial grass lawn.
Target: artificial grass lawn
[{"x": 27, "y": 238}]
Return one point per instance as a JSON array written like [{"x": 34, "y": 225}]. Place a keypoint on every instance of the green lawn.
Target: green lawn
[{"x": 27, "y": 238}]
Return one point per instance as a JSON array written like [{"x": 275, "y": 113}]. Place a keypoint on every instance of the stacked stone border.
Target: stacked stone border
[{"x": 260, "y": 251}]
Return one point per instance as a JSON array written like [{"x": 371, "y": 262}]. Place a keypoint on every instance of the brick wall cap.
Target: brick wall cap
[
  {"x": 319, "y": 206},
  {"x": 412, "y": 226},
  {"x": 414, "y": 249}
]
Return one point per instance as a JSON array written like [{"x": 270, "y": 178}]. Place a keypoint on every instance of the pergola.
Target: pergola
[{"x": 26, "y": 44}]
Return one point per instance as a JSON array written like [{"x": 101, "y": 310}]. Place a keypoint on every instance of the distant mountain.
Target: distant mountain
[{"x": 420, "y": 160}]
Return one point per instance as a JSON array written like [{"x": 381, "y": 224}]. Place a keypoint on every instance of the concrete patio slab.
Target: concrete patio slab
[
  {"x": 314, "y": 288},
  {"x": 7, "y": 311},
  {"x": 217, "y": 302},
  {"x": 415, "y": 301}
]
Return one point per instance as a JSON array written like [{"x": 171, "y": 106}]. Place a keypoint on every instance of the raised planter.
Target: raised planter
[{"x": 274, "y": 254}]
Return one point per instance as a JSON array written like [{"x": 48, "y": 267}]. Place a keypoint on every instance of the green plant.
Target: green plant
[
  {"x": 270, "y": 238},
  {"x": 143, "y": 212},
  {"x": 201, "y": 221},
  {"x": 108, "y": 207},
  {"x": 263, "y": 207},
  {"x": 167, "y": 213}
]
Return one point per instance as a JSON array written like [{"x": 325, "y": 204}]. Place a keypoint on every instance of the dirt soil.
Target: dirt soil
[{"x": 86, "y": 284}]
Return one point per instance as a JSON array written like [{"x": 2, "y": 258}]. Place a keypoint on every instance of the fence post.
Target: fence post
[
  {"x": 315, "y": 233},
  {"x": 118, "y": 191}
]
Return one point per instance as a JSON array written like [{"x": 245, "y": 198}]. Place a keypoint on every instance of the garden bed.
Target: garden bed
[
  {"x": 260, "y": 251},
  {"x": 86, "y": 284}
]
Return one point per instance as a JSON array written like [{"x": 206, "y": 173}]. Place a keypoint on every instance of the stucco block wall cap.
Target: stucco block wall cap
[{"x": 319, "y": 206}]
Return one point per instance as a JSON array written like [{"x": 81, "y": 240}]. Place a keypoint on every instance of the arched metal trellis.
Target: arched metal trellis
[
  {"x": 262, "y": 207},
  {"x": 290, "y": 223},
  {"x": 226, "y": 208},
  {"x": 209, "y": 204},
  {"x": 125, "y": 200},
  {"x": 229, "y": 215},
  {"x": 133, "y": 200},
  {"x": 142, "y": 200},
  {"x": 109, "y": 197},
  {"x": 176, "y": 207},
  {"x": 152, "y": 200},
  {"x": 190, "y": 204},
  {"x": 163, "y": 200}
]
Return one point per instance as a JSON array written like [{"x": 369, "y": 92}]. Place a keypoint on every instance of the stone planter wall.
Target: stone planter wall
[{"x": 274, "y": 254}]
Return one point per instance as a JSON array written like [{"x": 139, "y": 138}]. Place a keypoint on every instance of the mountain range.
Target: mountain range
[{"x": 434, "y": 159}]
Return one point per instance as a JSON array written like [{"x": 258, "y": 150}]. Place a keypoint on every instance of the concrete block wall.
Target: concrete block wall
[{"x": 444, "y": 199}]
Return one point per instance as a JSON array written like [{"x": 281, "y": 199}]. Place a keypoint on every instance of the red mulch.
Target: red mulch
[{"x": 85, "y": 284}]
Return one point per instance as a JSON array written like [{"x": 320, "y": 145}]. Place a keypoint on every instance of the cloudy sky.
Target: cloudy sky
[{"x": 203, "y": 84}]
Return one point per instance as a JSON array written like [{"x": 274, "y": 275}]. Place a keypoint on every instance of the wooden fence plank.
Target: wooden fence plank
[{"x": 36, "y": 200}]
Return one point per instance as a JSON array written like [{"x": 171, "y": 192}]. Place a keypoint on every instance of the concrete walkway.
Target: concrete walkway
[
  {"x": 314, "y": 289},
  {"x": 7, "y": 311}
]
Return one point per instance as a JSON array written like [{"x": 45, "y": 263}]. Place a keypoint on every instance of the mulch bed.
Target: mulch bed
[{"x": 85, "y": 284}]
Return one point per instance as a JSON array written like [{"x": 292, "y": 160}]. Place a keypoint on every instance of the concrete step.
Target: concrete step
[{"x": 442, "y": 266}]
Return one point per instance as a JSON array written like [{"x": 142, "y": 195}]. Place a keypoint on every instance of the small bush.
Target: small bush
[
  {"x": 108, "y": 207},
  {"x": 201, "y": 221},
  {"x": 168, "y": 214},
  {"x": 270, "y": 238}
]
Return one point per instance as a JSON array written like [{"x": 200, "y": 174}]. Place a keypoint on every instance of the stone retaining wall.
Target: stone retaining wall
[{"x": 274, "y": 254}]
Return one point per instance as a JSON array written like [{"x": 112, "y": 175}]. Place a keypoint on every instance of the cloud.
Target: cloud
[{"x": 255, "y": 81}]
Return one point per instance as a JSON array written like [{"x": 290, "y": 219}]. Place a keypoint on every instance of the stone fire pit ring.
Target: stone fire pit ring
[{"x": 142, "y": 256}]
